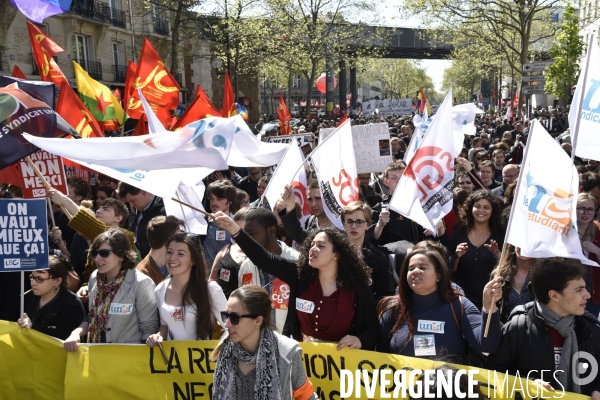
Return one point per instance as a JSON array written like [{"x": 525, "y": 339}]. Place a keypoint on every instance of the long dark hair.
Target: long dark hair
[
  {"x": 195, "y": 293},
  {"x": 466, "y": 221},
  {"x": 403, "y": 301},
  {"x": 353, "y": 273}
]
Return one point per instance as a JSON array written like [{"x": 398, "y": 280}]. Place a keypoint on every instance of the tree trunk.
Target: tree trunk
[
  {"x": 175, "y": 38},
  {"x": 311, "y": 81}
]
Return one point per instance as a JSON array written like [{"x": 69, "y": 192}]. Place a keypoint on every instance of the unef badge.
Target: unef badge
[{"x": 280, "y": 296}]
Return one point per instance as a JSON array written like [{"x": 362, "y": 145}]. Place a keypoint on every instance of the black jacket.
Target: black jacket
[
  {"x": 156, "y": 208},
  {"x": 527, "y": 346},
  {"x": 399, "y": 228},
  {"x": 365, "y": 324},
  {"x": 382, "y": 284},
  {"x": 57, "y": 318}
]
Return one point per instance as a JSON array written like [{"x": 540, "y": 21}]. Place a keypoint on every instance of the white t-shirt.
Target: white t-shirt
[{"x": 182, "y": 326}]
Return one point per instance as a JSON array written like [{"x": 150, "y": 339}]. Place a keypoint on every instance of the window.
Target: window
[
  {"x": 118, "y": 53},
  {"x": 81, "y": 49},
  {"x": 116, "y": 4},
  {"x": 296, "y": 81},
  {"x": 554, "y": 17}
]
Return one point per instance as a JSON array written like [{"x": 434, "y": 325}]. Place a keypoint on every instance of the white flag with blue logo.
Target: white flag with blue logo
[
  {"x": 544, "y": 221},
  {"x": 204, "y": 143},
  {"x": 585, "y": 127}
]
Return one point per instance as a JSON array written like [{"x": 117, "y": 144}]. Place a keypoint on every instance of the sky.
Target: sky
[{"x": 392, "y": 17}]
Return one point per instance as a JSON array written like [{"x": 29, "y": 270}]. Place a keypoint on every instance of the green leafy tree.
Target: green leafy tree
[
  {"x": 561, "y": 75},
  {"x": 399, "y": 78}
]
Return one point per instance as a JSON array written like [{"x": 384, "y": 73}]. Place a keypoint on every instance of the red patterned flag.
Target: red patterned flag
[
  {"x": 72, "y": 109},
  {"x": 284, "y": 117},
  {"x": 200, "y": 108},
  {"x": 44, "y": 48},
  {"x": 158, "y": 86},
  {"x": 229, "y": 108}
]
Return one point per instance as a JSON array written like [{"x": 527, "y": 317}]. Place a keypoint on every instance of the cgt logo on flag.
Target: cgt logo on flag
[
  {"x": 429, "y": 168},
  {"x": 549, "y": 208},
  {"x": 300, "y": 194},
  {"x": 346, "y": 184}
]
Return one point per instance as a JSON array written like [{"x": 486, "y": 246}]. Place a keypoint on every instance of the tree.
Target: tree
[
  {"x": 496, "y": 27},
  {"x": 463, "y": 78},
  {"x": 399, "y": 78},
  {"x": 561, "y": 75}
]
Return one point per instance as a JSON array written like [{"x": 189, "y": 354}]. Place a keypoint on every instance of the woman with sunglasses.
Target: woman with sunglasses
[
  {"x": 356, "y": 217},
  {"x": 589, "y": 235},
  {"x": 50, "y": 307},
  {"x": 254, "y": 361},
  {"x": 188, "y": 306},
  {"x": 328, "y": 285},
  {"x": 122, "y": 304}
]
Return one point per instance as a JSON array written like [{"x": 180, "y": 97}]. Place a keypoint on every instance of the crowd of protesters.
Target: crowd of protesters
[{"x": 121, "y": 271}]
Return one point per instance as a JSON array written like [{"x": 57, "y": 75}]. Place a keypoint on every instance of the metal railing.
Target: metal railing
[
  {"x": 161, "y": 26},
  {"x": 99, "y": 11},
  {"x": 93, "y": 68},
  {"x": 120, "y": 73}
]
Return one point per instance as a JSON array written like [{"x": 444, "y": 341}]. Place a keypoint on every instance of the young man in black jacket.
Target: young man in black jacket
[{"x": 553, "y": 339}]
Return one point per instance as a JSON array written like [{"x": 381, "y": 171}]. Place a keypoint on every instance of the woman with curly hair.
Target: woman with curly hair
[
  {"x": 328, "y": 285},
  {"x": 475, "y": 243},
  {"x": 122, "y": 305},
  {"x": 429, "y": 318}
]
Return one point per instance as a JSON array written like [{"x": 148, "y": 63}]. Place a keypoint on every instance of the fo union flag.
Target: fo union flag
[
  {"x": 543, "y": 220},
  {"x": 424, "y": 193},
  {"x": 335, "y": 165}
]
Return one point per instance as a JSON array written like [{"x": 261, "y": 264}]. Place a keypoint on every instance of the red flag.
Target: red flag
[
  {"x": 11, "y": 175},
  {"x": 421, "y": 100},
  {"x": 17, "y": 73},
  {"x": 117, "y": 94},
  {"x": 284, "y": 117},
  {"x": 142, "y": 127},
  {"x": 344, "y": 118},
  {"x": 157, "y": 84},
  {"x": 44, "y": 48},
  {"x": 72, "y": 109},
  {"x": 516, "y": 99},
  {"x": 200, "y": 108},
  {"x": 128, "y": 89},
  {"x": 228, "y": 109}
]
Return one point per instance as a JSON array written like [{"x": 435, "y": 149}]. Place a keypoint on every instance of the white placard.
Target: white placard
[
  {"x": 371, "y": 146},
  {"x": 388, "y": 107}
]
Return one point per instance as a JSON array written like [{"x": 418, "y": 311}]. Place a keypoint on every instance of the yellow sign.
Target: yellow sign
[{"x": 35, "y": 366}]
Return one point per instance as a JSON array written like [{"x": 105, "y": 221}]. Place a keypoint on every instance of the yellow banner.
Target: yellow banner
[{"x": 35, "y": 366}]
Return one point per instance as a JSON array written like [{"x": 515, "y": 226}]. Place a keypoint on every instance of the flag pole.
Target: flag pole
[
  {"x": 46, "y": 184},
  {"x": 575, "y": 133},
  {"x": 22, "y": 294},
  {"x": 293, "y": 142},
  {"x": 182, "y": 211},
  {"x": 193, "y": 208},
  {"x": 510, "y": 218}
]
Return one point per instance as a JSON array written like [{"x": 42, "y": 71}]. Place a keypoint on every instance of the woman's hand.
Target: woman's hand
[
  {"x": 154, "y": 340},
  {"x": 493, "y": 248},
  {"x": 83, "y": 294},
  {"x": 224, "y": 222},
  {"x": 349, "y": 341},
  {"x": 545, "y": 385},
  {"x": 57, "y": 197},
  {"x": 72, "y": 342},
  {"x": 24, "y": 322},
  {"x": 461, "y": 250},
  {"x": 591, "y": 247},
  {"x": 288, "y": 199},
  {"x": 492, "y": 292},
  {"x": 56, "y": 234}
]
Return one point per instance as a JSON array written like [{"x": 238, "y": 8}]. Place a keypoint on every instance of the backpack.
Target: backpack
[{"x": 473, "y": 357}]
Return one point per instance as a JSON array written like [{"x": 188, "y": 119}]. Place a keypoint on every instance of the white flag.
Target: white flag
[
  {"x": 421, "y": 127},
  {"x": 204, "y": 143},
  {"x": 509, "y": 113},
  {"x": 585, "y": 126},
  {"x": 424, "y": 193},
  {"x": 248, "y": 151},
  {"x": 543, "y": 222},
  {"x": 463, "y": 118},
  {"x": 154, "y": 124},
  {"x": 192, "y": 195},
  {"x": 290, "y": 171},
  {"x": 335, "y": 165}
]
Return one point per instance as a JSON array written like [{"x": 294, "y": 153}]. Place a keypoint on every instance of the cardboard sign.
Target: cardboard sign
[
  {"x": 388, "y": 107},
  {"x": 23, "y": 235},
  {"x": 304, "y": 141},
  {"x": 371, "y": 146},
  {"x": 52, "y": 169}
]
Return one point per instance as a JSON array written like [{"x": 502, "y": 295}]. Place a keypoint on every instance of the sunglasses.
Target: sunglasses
[
  {"x": 234, "y": 318},
  {"x": 104, "y": 253}
]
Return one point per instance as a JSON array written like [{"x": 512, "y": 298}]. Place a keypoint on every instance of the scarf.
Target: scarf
[
  {"x": 566, "y": 327},
  {"x": 267, "y": 386},
  {"x": 105, "y": 293}
]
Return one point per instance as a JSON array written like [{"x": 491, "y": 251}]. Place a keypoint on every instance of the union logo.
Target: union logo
[{"x": 427, "y": 168}]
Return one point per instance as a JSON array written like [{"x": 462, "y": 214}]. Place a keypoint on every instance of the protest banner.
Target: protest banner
[
  {"x": 388, "y": 107},
  {"x": 36, "y": 366},
  {"x": 371, "y": 146},
  {"x": 51, "y": 167},
  {"x": 305, "y": 142},
  {"x": 23, "y": 235}
]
